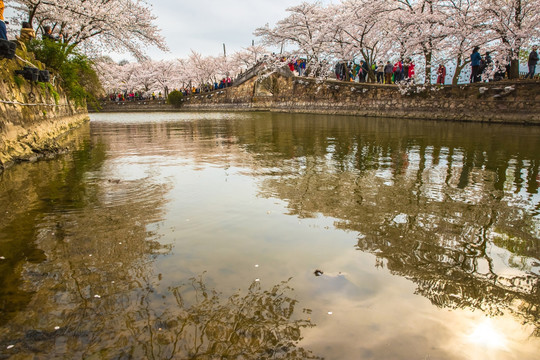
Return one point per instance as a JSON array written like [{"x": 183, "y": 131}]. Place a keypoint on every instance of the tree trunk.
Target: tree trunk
[
  {"x": 514, "y": 69},
  {"x": 428, "y": 56},
  {"x": 459, "y": 67}
]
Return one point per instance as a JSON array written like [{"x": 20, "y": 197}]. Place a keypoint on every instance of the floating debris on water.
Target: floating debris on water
[
  {"x": 318, "y": 272},
  {"x": 256, "y": 265},
  {"x": 330, "y": 313},
  {"x": 257, "y": 279}
]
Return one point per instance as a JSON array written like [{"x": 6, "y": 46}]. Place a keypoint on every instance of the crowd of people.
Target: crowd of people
[
  {"x": 481, "y": 64},
  {"x": 143, "y": 96},
  {"x": 207, "y": 87},
  {"x": 404, "y": 70},
  {"x": 378, "y": 72}
]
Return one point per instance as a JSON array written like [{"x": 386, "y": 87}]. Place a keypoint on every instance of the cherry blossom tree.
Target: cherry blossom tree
[
  {"x": 465, "y": 29},
  {"x": 513, "y": 23},
  {"x": 361, "y": 29},
  {"x": 304, "y": 29},
  {"x": 429, "y": 31},
  {"x": 420, "y": 26},
  {"x": 97, "y": 25},
  {"x": 248, "y": 57}
]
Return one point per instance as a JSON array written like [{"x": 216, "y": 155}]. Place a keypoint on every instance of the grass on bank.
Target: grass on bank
[{"x": 73, "y": 71}]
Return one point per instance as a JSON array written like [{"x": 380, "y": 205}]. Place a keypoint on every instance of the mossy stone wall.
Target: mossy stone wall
[{"x": 32, "y": 114}]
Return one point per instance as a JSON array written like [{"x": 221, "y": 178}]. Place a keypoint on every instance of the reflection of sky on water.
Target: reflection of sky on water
[{"x": 255, "y": 196}]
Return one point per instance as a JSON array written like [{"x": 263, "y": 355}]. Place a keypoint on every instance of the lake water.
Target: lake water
[{"x": 258, "y": 235}]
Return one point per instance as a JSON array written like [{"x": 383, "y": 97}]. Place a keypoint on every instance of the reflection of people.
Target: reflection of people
[
  {"x": 533, "y": 60},
  {"x": 3, "y": 30},
  {"x": 27, "y": 33}
]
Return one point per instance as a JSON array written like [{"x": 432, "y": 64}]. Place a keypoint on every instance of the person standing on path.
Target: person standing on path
[
  {"x": 388, "y": 70},
  {"x": 380, "y": 72},
  {"x": 3, "y": 30},
  {"x": 441, "y": 74},
  {"x": 533, "y": 60},
  {"x": 476, "y": 58}
]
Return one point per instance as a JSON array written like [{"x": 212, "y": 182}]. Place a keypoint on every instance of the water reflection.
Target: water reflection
[
  {"x": 189, "y": 321},
  {"x": 96, "y": 242},
  {"x": 88, "y": 236},
  {"x": 255, "y": 324},
  {"x": 79, "y": 241},
  {"x": 453, "y": 207},
  {"x": 458, "y": 217}
]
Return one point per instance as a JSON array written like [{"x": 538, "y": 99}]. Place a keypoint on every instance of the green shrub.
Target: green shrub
[
  {"x": 77, "y": 76},
  {"x": 54, "y": 93},
  {"x": 19, "y": 80},
  {"x": 175, "y": 98}
]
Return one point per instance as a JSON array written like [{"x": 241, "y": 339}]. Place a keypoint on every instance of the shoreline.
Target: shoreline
[{"x": 505, "y": 102}]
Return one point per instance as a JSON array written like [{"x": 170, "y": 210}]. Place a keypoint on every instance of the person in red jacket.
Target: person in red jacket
[
  {"x": 410, "y": 70},
  {"x": 441, "y": 74}
]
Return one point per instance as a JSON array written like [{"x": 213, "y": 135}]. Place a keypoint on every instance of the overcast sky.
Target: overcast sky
[{"x": 205, "y": 25}]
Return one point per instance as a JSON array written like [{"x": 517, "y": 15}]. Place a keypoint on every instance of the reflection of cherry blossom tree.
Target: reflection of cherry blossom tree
[
  {"x": 257, "y": 324},
  {"x": 119, "y": 25}
]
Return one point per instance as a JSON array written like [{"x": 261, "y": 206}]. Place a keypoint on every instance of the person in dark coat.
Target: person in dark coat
[
  {"x": 476, "y": 58},
  {"x": 533, "y": 60},
  {"x": 365, "y": 71}
]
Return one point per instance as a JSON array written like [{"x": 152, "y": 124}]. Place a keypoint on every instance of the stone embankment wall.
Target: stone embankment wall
[
  {"x": 32, "y": 115},
  {"x": 498, "y": 102}
]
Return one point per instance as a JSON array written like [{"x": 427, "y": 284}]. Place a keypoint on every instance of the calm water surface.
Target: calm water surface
[{"x": 200, "y": 236}]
